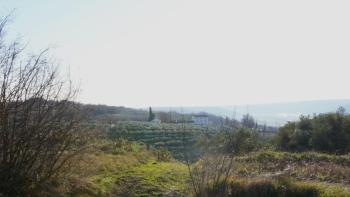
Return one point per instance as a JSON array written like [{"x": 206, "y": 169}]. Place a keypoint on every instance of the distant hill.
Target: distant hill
[
  {"x": 114, "y": 112},
  {"x": 274, "y": 114},
  {"x": 120, "y": 113}
]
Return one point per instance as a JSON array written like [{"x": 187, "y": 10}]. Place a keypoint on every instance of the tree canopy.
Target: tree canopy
[{"x": 329, "y": 132}]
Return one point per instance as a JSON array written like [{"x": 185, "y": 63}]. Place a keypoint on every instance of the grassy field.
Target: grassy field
[{"x": 124, "y": 168}]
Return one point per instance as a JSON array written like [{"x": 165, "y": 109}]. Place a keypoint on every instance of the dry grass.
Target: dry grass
[
  {"x": 129, "y": 169},
  {"x": 302, "y": 166}
]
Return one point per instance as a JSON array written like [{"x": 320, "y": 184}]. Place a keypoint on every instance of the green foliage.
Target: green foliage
[
  {"x": 151, "y": 115},
  {"x": 152, "y": 179},
  {"x": 122, "y": 168},
  {"x": 291, "y": 137},
  {"x": 176, "y": 138},
  {"x": 120, "y": 146},
  {"x": 237, "y": 141},
  {"x": 326, "y": 133},
  {"x": 242, "y": 140}
]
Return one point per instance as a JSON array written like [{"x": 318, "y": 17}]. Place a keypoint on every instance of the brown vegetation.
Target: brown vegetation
[{"x": 38, "y": 121}]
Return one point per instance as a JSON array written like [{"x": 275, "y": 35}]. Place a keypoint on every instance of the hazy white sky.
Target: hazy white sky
[{"x": 194, "y": 52}]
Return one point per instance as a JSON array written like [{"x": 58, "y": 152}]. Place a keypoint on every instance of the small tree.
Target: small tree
[{"x": 37, "y": 119}]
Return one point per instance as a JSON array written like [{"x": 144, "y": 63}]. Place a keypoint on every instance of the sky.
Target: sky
[{"x": 142, "y": 53}]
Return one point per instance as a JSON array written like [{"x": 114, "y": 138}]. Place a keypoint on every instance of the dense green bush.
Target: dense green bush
[
  {"x": 237, "y": 141},
  {"x": 243, "y": 140},
  {"x": 328, "y": 132}
]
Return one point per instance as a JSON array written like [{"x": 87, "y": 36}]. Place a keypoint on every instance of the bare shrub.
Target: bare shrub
[
  {"x": 210, "y": 176},
  {"x": 38, "y": 119}
]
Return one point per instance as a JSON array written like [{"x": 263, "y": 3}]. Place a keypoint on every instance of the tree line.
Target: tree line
[{"x": 328, "y": 132}]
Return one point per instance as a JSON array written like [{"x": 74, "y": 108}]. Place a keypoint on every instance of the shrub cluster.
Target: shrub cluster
[{"x": 329, "y": 132}]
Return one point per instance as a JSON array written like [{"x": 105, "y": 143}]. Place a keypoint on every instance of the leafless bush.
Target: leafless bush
[
  {"x": 209, "y": 176},
  {"x": 38, "y": 120}
]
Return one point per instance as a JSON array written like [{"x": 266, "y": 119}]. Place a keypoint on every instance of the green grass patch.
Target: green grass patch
[
  {"x": 123, "y": 168},
  {"x": 153, "y": 179}
]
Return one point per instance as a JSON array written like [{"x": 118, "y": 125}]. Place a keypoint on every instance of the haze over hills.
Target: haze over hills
[{"x": 274, "y": 114}]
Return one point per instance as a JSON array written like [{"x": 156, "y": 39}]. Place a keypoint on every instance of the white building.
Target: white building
[{"x": 200, "y": 119}]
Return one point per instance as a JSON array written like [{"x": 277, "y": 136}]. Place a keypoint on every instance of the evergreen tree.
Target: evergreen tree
[{"x": 151, "y": 115}]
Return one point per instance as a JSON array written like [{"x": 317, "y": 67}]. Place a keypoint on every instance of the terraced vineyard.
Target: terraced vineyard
[{"x": 177, "y": 138}]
